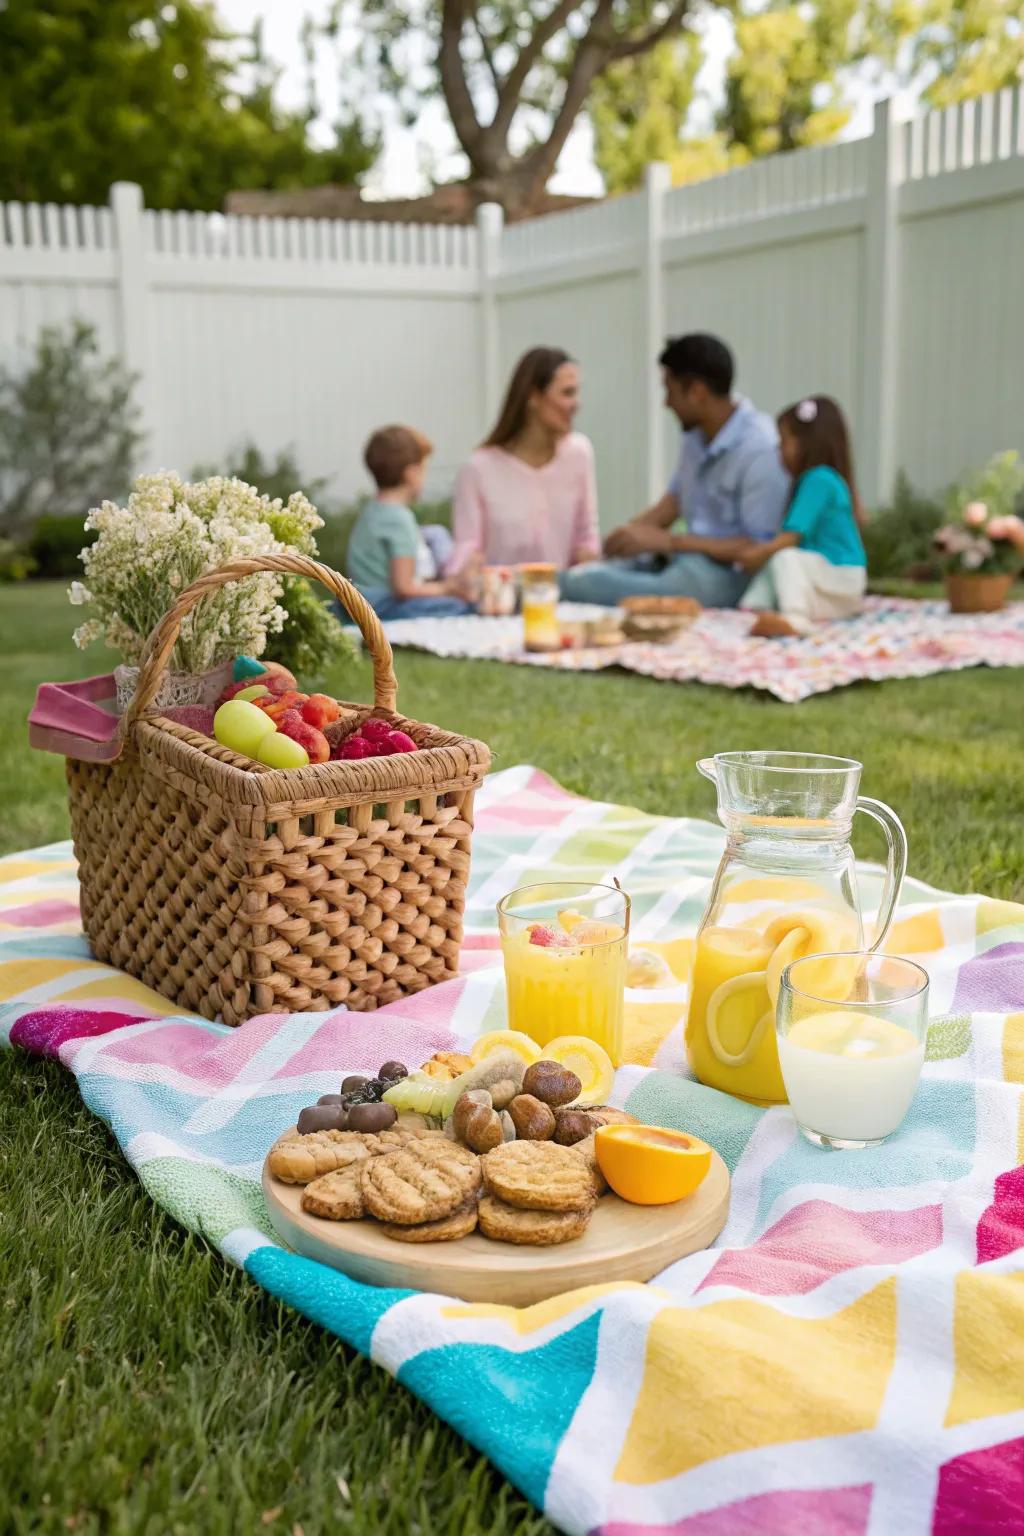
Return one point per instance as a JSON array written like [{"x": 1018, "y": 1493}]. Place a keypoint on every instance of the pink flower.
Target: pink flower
[
  {"x": 975, "y": 514},
  {"x": 1007, "y": 528}
]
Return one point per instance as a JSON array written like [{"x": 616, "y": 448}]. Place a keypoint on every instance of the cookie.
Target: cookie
[
  {"x": 459, "y": 1224},
  {"x": 425, "y": 1181},
  {"x": 539, "y": 1229},
  {"x": 587, "y": 1149},
  {"x": 538, "y": 1176},
  {"x": 297, "y": 1159},
  {"x": 336, "y": 1196}
]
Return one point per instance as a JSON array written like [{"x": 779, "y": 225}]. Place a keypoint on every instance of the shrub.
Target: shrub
[
  {"x": 56, "y": 542},
  {"x": 15, "y": 563},
  {"x": 68, "y": 430},
  {"x": 898, "y": 538},
  {"x": 277, "y": 477}
]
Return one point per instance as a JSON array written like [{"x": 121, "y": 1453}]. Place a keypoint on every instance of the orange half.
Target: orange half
[{"x": 648, "y": 1165}]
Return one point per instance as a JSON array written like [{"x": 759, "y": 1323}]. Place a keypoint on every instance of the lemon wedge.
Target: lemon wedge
[
  {"x": 590, "y": 1062},
  {"x": 505, "y": 1040}
]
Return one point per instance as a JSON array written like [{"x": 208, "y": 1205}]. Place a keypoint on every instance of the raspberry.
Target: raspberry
[
  {"x": 396, "y": 741},
  {"x": 354, "y": 747},
  {"x": 542, "y": 936},
  {"x": 375, "y": 730}
]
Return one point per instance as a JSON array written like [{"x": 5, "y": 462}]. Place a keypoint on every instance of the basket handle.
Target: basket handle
[{"x": 161, "y": 643}]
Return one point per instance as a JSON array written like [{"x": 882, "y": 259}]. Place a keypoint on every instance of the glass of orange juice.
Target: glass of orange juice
[{"x": 564, "y": 946}]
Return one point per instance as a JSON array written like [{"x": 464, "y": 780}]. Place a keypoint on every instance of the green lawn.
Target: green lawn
[{"x": 151, "y": 1388}]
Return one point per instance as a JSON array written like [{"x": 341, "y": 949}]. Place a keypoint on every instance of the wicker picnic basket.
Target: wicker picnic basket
[{"x": 236, "y": 889}]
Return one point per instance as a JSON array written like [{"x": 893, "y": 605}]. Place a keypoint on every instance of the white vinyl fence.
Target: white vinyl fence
[{"x": 886, "y": 271}]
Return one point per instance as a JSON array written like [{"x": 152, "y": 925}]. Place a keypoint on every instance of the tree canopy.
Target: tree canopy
[
  {"x": 789, "y": 77},
  {"x": 152, "y": 92}
]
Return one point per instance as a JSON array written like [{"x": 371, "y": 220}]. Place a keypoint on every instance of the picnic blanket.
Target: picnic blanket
[
  {"x": 893, "y": 637},
  {"x": 848, "y": 1358}
]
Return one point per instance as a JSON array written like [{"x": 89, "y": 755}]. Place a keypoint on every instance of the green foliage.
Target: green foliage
[
  {"x": 638, "y": 107},
  {"x": 899, "y": 537},
  {"x": 68, "y": 429},
  {"x": 788, "y": 78},
  {"x": 967, "y": 46},
  {"x": 998, "y": 485},
  {"x": 56, "y": 543},
  {"x": 138, "y": 90},
  {"x": 276, "y": 477},
  {"x": 312, "y": 639},
  {"x": 15, "y": 564}
]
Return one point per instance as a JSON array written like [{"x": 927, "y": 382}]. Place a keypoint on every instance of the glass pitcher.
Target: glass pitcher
[{"x": 786, "y": 887}]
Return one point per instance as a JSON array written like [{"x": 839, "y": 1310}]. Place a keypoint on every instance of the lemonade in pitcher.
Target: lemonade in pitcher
[{"x": 786, "y": 888}]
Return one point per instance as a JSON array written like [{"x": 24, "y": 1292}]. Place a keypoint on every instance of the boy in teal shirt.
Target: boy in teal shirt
[{"x": 388, "y": 557}]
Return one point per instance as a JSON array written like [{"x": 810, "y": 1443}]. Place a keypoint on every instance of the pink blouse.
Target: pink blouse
[{"x": 512, "y": 513}]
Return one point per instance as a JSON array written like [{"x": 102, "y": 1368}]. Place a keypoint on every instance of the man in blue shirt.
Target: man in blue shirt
[{"x": 729, "y": 485}]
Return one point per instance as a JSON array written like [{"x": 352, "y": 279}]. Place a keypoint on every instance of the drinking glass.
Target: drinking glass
[
  {"x": 574, "y": 982},
  {"x": 851, "y": 1032}
]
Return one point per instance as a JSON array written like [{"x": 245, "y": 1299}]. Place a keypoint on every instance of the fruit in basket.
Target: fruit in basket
[
  {"x": 650, "y": 1166},
  {"x": 319, "y": 710},
  {"x": 308, "y": 737},
  {"x": 397, "y": 741},
  {"x": 352, "y": 749},
  {"x": 241, "y": 726},
  {"x": 373, "y": 729},
  {"x": 276, "y": 705},
  {"x": 280, "y": 751}
]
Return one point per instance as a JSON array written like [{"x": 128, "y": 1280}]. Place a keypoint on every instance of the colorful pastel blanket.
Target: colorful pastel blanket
[
  {"x": 849, "y": 1357},
  {"x": 893, "y": 637}
]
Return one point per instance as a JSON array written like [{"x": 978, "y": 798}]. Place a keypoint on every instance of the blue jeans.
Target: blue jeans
[
  {"x": 608, "y": 581},
  {"x": 388, "y": 606}
]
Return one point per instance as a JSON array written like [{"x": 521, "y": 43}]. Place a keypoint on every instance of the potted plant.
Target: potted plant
[
  {"x": 150, "y": 550},
  {"x": 981, "y": 544}
]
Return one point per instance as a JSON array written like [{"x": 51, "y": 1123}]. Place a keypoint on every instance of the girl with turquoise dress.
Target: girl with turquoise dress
[{"x": 815, "y": 568}]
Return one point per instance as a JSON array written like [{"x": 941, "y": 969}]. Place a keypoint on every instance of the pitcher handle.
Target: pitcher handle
[{"x": 896, "y": 864}]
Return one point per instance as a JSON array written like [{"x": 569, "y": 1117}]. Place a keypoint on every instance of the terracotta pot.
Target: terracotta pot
[{"x": 969, "y": 593}]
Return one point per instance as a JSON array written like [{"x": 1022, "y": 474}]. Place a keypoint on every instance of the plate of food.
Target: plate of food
[
  {"x": 507, "y": 1188},
  {"x": 658, "y": 619}
]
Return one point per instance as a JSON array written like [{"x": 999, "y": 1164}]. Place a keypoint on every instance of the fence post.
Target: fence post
[
  {"x": 490, "y": 221},
  {"x": 132, "y": 294},
  {"x": 657, "y": 181},
  {"x": 880, "y": 356}
]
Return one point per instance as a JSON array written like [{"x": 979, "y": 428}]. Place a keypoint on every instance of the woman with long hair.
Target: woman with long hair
[
  {"x": 815, "y": 569},
  {"x": 528, "y": 493}
]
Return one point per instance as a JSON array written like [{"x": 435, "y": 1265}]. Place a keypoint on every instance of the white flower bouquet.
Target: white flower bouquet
[{"x": 171, "y": 532}]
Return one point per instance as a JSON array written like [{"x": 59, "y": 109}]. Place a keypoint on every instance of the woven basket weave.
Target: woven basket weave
[{"x": 236, "y": 889}]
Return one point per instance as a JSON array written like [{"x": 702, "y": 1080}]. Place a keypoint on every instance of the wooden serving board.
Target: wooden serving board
[{"x": 622, "y": 1242}]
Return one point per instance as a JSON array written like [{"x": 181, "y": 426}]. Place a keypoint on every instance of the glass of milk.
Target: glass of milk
[{"x": 851, "y": 1034}]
